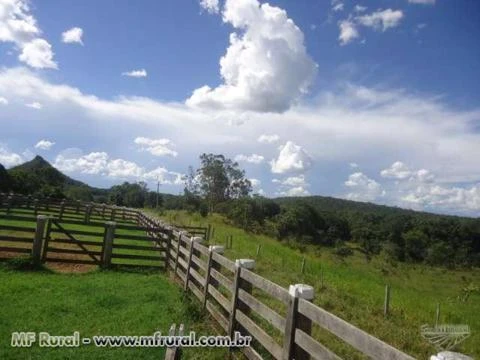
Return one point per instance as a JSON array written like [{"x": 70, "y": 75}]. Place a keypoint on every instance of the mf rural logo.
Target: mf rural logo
[{"x": 445, "y": 337}]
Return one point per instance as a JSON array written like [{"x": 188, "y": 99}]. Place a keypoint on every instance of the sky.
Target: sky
[{"x": 372, "y": 100}]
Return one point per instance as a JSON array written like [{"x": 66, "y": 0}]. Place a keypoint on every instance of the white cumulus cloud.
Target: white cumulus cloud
[
  {"x": 255, "y": 182},
  {"x": 268, "y": 139},
  {"x": 8, "y": 158},
  {"x": 292, "y": 158},
  {"x": 398, "y": 170},
  {"x": 212, "y": 6},
  {"x": 294, "y": 181},
  {"x": 100, "y": 163},
  {"x": 359, "y": 8},
  {"x": 34, "y": 105},
  {"x": 381, "y": 19},
  {"x": 348, "y": 32},
  {"x": 294, "y": 191},
  {"x": 266, "y": 68},
  {"x": 337, "y": 5},
  {"x": 136, "y": 73},
  {"x": 17, "y": 25},
  {"x": 362, "y": 188},
  {"x": 3, "y": 101},
  {"x": 73, "y": 35},
  {"x": 38, "y": 54},
  {"x": 253, "y": 159},
  {"x": 423, "y": 2},
  {"x": 44, "y": 144},
  {"x": 157, "y": 147}
]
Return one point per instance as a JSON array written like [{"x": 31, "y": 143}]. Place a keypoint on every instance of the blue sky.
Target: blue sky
[{"x": 367, "y": 100}]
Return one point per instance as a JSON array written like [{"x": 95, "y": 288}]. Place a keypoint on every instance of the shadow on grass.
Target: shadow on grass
[{"x": 24, "y": 264}]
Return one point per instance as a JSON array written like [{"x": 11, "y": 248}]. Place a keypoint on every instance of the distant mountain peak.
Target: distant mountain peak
[{"x": 39, "y": 166}]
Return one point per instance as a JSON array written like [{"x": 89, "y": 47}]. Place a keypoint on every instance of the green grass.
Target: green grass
[
  {"x": 353, "y": 288},
  {"x": 96, "y": 303}
]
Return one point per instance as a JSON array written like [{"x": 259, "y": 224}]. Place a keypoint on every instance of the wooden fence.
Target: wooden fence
[
  {"x": 57, "y": 231},
  {"x": 282, "y": 322},
  {"x": 237, "y": 299}
]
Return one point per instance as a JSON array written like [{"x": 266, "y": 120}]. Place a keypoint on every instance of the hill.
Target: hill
[
  {"x": 38, "y": 177},
  {"x": 45, "y": 171}
]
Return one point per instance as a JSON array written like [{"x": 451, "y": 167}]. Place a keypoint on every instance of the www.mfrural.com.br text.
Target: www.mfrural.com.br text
[{"x": 45, "y": 339}]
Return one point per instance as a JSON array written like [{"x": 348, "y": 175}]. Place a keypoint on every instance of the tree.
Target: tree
[
  {"x": 301, "y": 221},
  {"x": 415, "y": 244},
  {"x": 131, "y": 195},
  {"x": 5, "y": 181},
  {"x": 82, "y": 193},
  {"x": 219, "y": 179},
  {"x": 368, "y": 241}
]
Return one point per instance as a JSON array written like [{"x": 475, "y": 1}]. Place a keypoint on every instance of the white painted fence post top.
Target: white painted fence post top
[
  {"x": 217, "y": 248},
  {"x": 42, "y": 217},
  {"x": 302, "y": 291},
  {"x": 110, "y": 223},
  {"x": 196, "y": 239},
  {"x": 245, "y": 263}
]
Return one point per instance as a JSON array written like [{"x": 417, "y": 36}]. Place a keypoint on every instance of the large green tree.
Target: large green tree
[{"x": 219, "y": 179}]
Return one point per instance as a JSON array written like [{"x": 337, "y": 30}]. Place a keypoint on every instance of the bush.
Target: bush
[{"x": 343, "y": 251}]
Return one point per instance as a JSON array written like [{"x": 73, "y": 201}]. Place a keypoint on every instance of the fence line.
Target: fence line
[{"x": 280, "y": 320}]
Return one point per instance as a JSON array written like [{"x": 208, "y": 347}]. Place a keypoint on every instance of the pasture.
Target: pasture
[
  {"x": 94, "y": 303},
  {"x": 353, "y": 288}
]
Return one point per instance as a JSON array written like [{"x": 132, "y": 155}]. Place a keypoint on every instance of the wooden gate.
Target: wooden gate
[{"x": 71, "y": 249}]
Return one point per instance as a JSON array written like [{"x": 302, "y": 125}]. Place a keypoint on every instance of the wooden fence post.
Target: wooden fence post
[
  {"x": 9, "y": 203},
  {"x": 303, "y": 265},
  {"x": 35, "y": 206},
  {"x": 47, "y": 239},
  {"x": 29, "y": 201},
  {"x": 168, "y": 241},
  {"x": 295, "y": 320},
  {"x": 62, "y": 210},
  {"x": 174, "y": 353},
  {"x": 211, "y": 249},
  {"x": 182, "y": 233},
  {"x": 88, "y": 211},
  {"x": 209, "y": 232},
  {"x": 47, "y": 203},
  {"x": 238, "y": 283},
  {"x": 193, "y": 240},
  {"x": 258, "y": 249},
  {"x": 108, "y": 243},
  {"x": 386, "y": 304},
  {"x": 78, "y": 207},
  {"x": 437, "y": 314},
  {"x": 38, "y": 239},
  {"x": 112, "y": 214}
]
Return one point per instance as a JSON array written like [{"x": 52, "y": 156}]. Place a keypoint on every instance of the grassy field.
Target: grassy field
[
  {"x": 96, "y": 303},
  {"x": 354, "y": 289}
]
